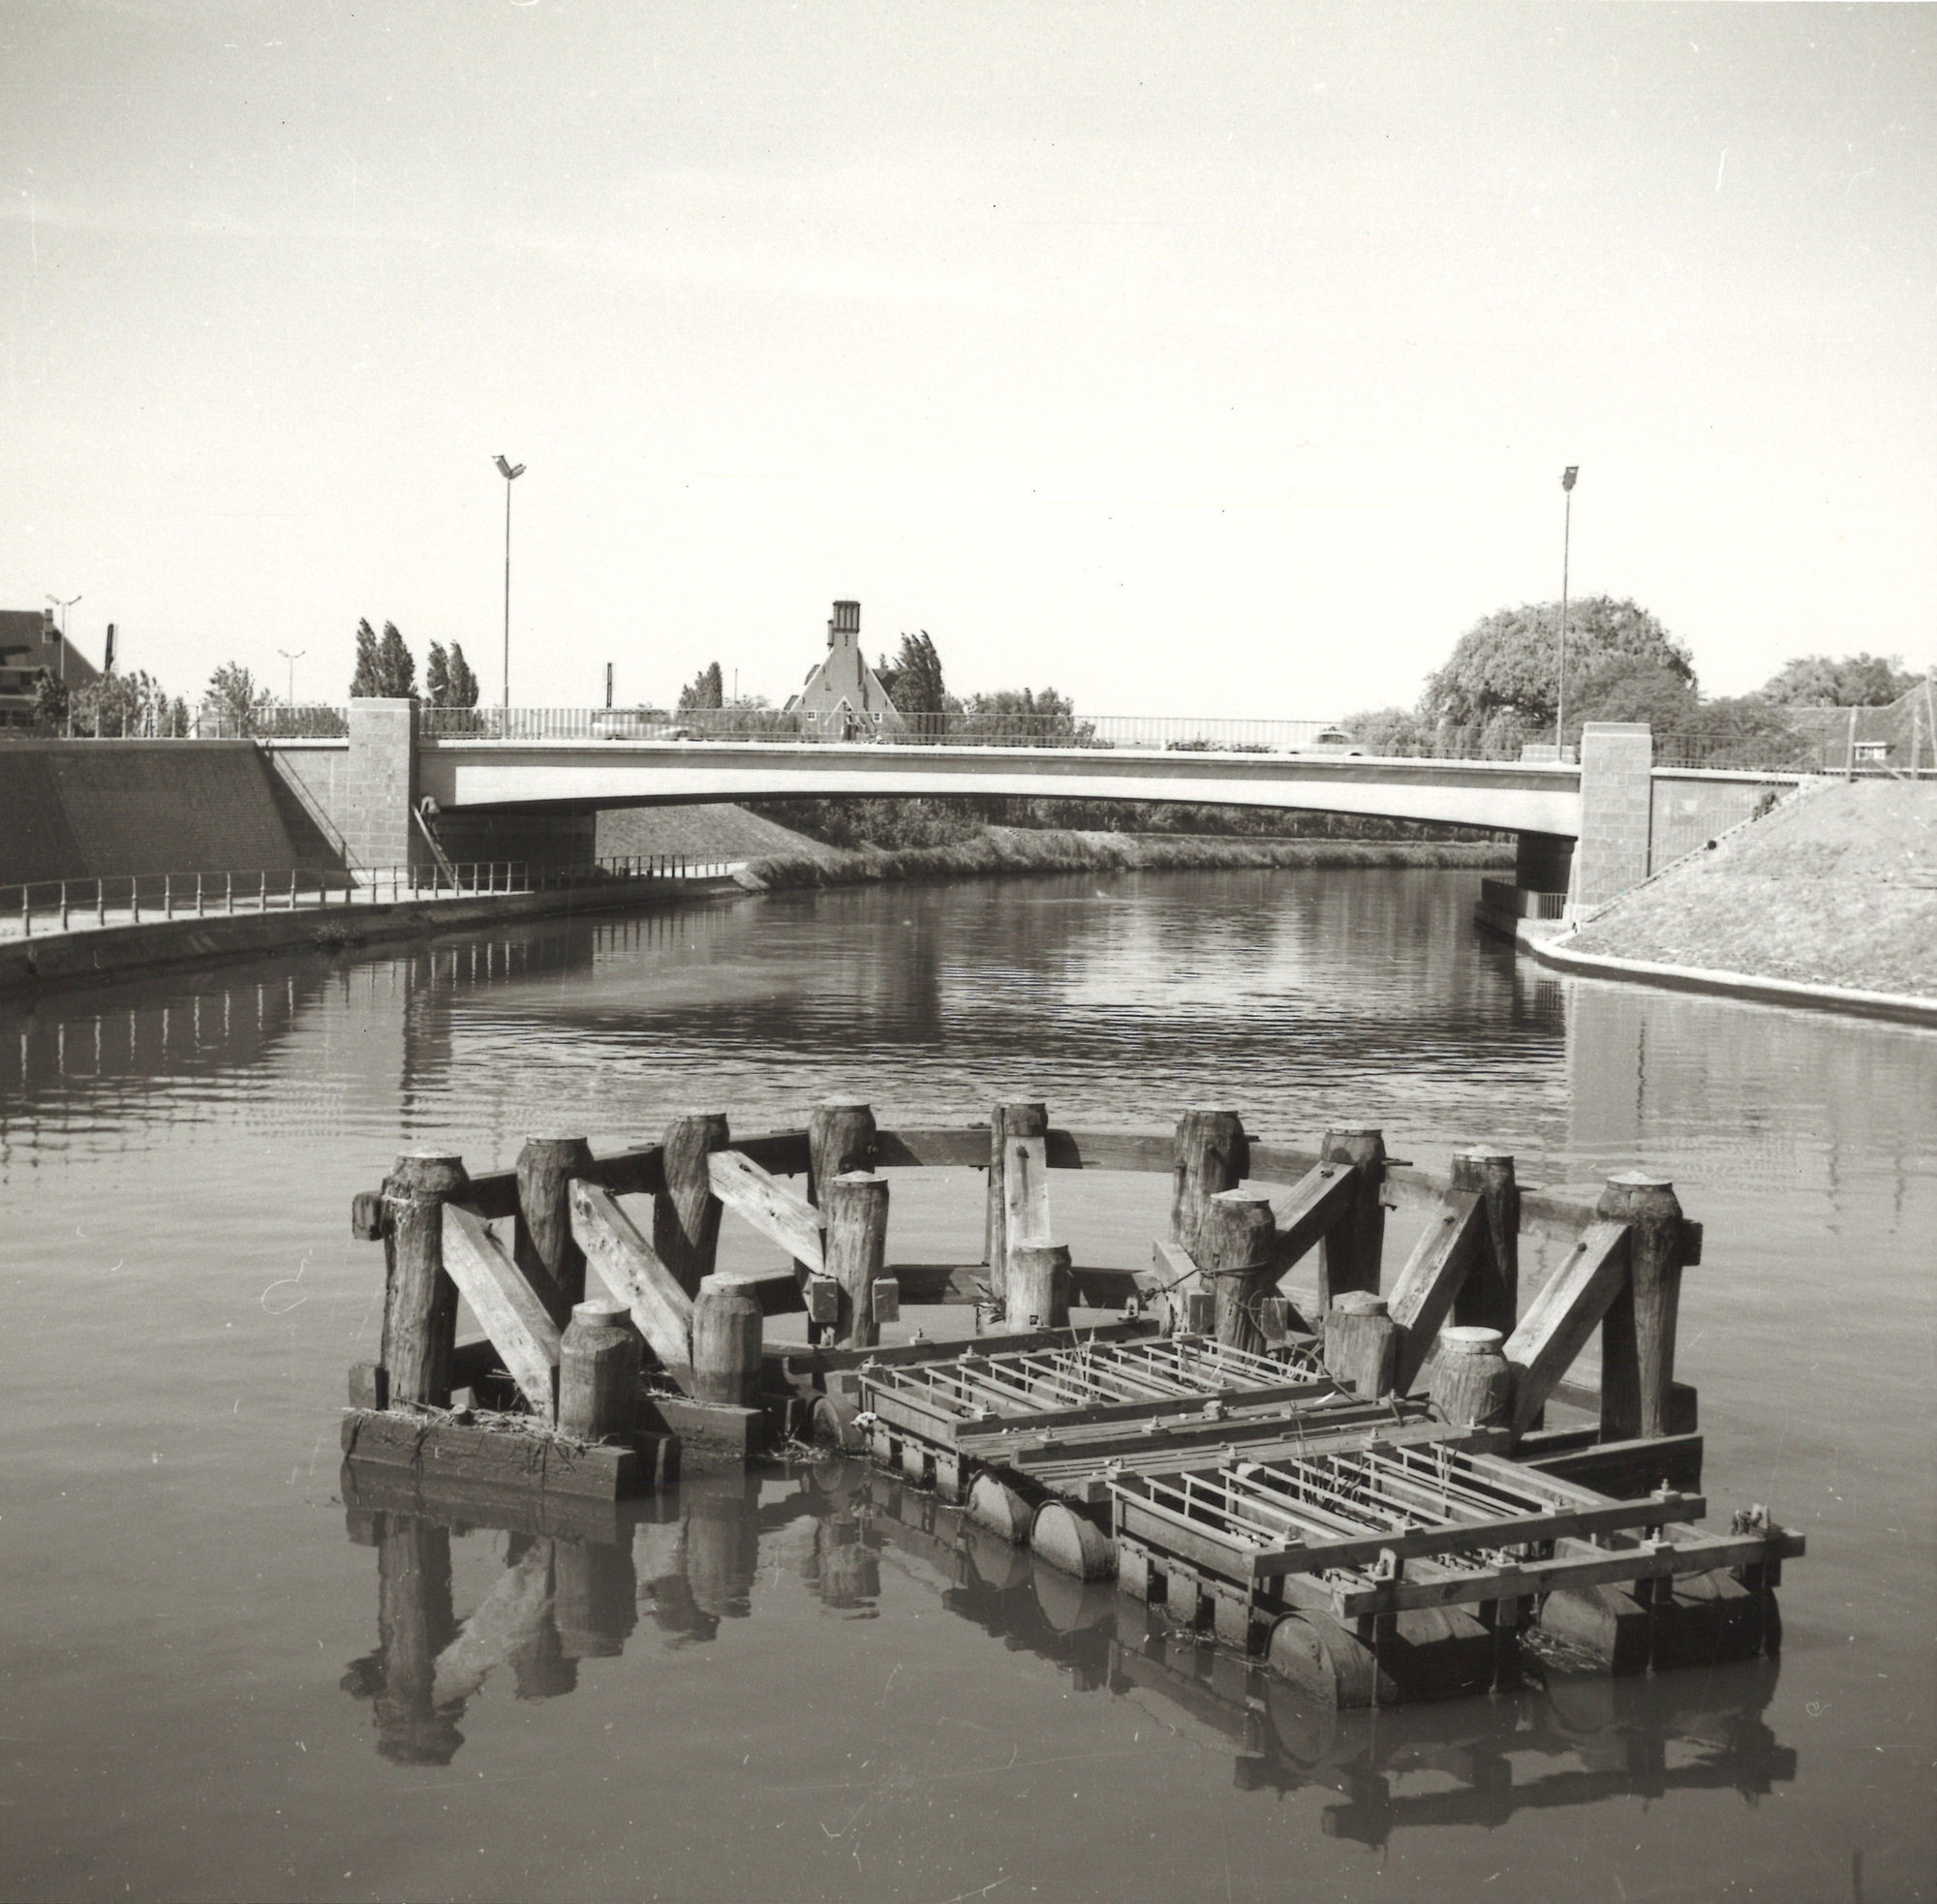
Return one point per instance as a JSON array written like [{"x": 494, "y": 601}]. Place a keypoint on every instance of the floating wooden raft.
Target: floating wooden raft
[
  {"x": 942, "y": 1421},
  {"x": 1392, "y": 1528}
]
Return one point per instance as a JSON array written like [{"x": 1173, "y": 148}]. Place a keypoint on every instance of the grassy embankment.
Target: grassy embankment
[
  {"x": 869, "y": 841},
  {"x": 1837, "y": 887}
]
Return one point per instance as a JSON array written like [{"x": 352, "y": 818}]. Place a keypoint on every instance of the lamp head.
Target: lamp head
[
  {"x": 1568, "y": 475},
  {"x": 508, "y": 470}
]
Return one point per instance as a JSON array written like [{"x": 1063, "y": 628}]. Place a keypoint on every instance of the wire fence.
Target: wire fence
[{"x": 42, "y": 907}]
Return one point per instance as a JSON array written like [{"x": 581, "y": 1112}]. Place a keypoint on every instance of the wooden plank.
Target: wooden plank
[
  {"x": 1187, "y": 1437},
  {"x": 1624, "y": 1467},
  {"x": 957, "y": 1146},
  {"x": 1422, "y": 1297},
  {"x": 1563, "y": 1316},
  {"x": 631, "y": 1269},
  {"x": 784, "y": 1152},
  {"x": 1510, "y": 1530},
  {"x": 1109, "y": 1150},
  {"x": 1596, "y": 1567},
  {"x": 506, "y": 1308},
  {"x": 1291, "y": 1395},
  {"x": 774, "y": 1209},
  {"x": 797, "y": 1362},
  {"x": 1322, "y": 1198},
  {"x": 440, "y": 1450},
  {"x": 1280, "y": 1163},
  {"x": 779, "y": 1292}
]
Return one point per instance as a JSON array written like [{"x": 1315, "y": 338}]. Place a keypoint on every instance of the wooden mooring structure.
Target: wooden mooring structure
[{"x": 1383, "y": 1486}]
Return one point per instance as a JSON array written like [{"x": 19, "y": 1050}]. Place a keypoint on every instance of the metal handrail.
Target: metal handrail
[{"x": 62, "y": 904}]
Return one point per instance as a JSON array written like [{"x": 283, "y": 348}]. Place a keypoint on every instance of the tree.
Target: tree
[
  {"x": 1622, "y": 688},
  {"x": 1394, "y": 731},
  {"x": 915, "y": 680},
  {"x": 437, "y": 676},
  {"x": 119, "y": 704},
  {"x": 234, "y": 699},
  {"x": 1045, "y": 716},
  {"x": 706, "y": 690},
  {"x": 397, "y": 668},
  {"x": 369, "y": 664},
  {"x": 50, "y": 699},
  {"x": 1853, "y": 681},
  {"x": 385, "y": 668},
  {"x": 1508, "y": 662},
  {"x": 463, "y": 683}
]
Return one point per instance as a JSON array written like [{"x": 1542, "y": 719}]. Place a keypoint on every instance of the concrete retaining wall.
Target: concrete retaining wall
[{"x": 82, "y": 810}]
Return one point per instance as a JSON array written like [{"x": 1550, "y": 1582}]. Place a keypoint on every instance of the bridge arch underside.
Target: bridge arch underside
[{"x": 569, "y": 777}]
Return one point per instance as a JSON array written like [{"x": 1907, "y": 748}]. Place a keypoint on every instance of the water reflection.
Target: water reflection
[{"x": 693, "y": 1559}]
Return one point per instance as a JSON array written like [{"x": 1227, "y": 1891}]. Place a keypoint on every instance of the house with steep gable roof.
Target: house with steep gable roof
[{"x": 842, "y": 699}]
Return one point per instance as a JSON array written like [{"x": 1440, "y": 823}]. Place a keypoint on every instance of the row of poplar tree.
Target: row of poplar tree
[{"x": 388, "y": 670}]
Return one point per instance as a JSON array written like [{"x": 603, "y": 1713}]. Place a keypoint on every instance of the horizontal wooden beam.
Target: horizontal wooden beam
[
  {"x": 795, "y": 1362},
  {"x": 1510, "y": 1530},
  {"x": 1559, "y": 1211},
  {"x": 1593, "y": 1567},
  {"x": 507, "y": 1306}
]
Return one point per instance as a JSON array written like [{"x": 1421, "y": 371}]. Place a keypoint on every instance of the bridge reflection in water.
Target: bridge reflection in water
[{"x": 589, "y": 1584}]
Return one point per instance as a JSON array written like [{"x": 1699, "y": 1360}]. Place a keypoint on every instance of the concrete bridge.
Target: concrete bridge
[{"x": 1591, "y": 830}]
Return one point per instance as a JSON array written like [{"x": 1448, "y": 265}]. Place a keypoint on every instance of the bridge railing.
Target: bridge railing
[{"x": 965, "y": 728}]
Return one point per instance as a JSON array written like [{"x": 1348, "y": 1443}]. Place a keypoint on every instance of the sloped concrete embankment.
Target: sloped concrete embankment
[
  {"x": 88, "y": 810},
  {"x": 1829, "y": 900}
]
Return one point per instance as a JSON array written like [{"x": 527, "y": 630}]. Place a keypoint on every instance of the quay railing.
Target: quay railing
[{"x": 40, "y": 906}]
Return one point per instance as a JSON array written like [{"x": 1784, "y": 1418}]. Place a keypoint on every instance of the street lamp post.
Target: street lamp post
[
  {"x": 54, "y": 601},
  {"x": 292, "y": 660},
  {"x": 1567, "y": 476},
  {"x": 510, "y": 471}
]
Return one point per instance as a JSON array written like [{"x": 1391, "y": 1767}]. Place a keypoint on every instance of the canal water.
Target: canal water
[{"x": 220, "y": 1678}]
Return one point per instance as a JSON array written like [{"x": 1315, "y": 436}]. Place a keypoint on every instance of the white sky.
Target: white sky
[{"x": 1193, "y": 359}]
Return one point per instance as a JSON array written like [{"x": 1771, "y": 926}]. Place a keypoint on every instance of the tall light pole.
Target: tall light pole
[
  {"x": 510, "y": 471},
  {"x": 54, "y": 601},
  {"x": 292, "y": 660},
  {"x": 1567, "y": 476}
]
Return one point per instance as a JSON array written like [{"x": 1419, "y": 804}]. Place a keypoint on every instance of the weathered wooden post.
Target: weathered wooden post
[
  {"x": 1039, "y": 1284},
  {"x": 1348, "y": 1258},
  {"x": 857, "y": 1233},
  {"x": 1007, "y": 1121},
  {"x": 419, "y": 1301},
  {"x": 1472, "y": 1381},
  {"x": 598, "y": 1374},
  {"x": 1235, "y": 1240},
  {"x": 1361, "y": 1343},
  {"x": 686, "y": 1215},
  {"x": 1490, "y": 1296},
  {"x": 1637, "y": 1331},
  {"x": 553, "y": 1263},
  {"x": 840, "y": 1138},
  {"x": 1210, "y": 1156},
  {"x": 727, "y": 1332}
]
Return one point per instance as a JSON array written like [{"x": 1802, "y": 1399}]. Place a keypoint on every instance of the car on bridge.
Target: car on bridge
[{"x": 1334, "y": 742}]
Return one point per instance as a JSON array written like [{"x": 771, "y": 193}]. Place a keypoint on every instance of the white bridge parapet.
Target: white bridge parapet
[{"x": 479, "y": 773}]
